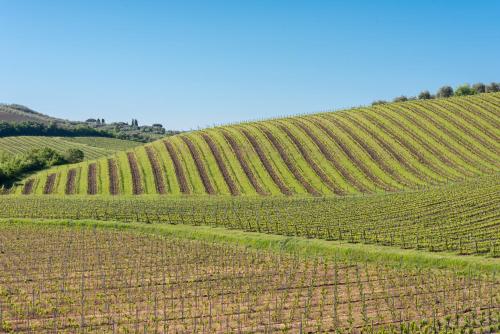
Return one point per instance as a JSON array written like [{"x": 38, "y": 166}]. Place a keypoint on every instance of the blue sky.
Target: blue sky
[{"x": 193, "y": 64}]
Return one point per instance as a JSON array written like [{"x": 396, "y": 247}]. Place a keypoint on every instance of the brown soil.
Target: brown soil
[
  {"x": 370, "y": 151},
  {"x": 92, "y": 179},
  {"x": 416, "y": 152},
  {"x": 198, "y": 161},
  {"x": 394, "y": 153},
  {"x": 290, "y": 165},
  {"x": 244, "y": 164},
  {"x": 179, "y": 172},
  {"x": 357, "y": 162},
  {"x": 136, "y": 175},
  {"x": 70, "y": 182},
  {"x": 462, "y": 141},
  {"x": 307, "y": 157},
  {"x": 222, "y": 166},
  {"x": 49, "y": 184},
  {"x": 157, "y": 172},
  {"x": 470, "y": 107},
  {"x": 58, "y": 281},
  {"x": 328, "y": 155},
  {"x": 28, "y": 187},
  {"x": 114, "y": 186},
  {"x": 267, "y": 165}
]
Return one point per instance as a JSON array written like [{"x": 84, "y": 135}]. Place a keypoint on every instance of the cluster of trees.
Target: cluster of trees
[
  {"x": 52, "y": 129},
  {"x": 14, "y": 167},
  {"x": 447, "y": 91},
  {"x": 99, "y": 121}
]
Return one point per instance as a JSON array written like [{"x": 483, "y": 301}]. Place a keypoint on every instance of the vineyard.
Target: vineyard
[
  {"x": 386, "y": 148},
  {"x": 461, "y": 218},
  {"x": 93, "y": 280},
  {"x": 92, "y": 147}
]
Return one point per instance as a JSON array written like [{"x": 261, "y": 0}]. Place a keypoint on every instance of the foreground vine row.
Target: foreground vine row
[
  {"x": 69, "y": 280},
  {"x": 462, "y": 218}
]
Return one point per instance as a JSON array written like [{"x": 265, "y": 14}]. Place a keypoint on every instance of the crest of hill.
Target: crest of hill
[
  {"x": 384, "y": 148},
  {"x": 19, "y": 113}
]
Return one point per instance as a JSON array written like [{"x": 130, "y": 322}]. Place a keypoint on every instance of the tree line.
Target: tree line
[
  {"x": 14, "y": 167},
  {"x": 53, "y": 129},
  {"x": 448, "y": 91}
]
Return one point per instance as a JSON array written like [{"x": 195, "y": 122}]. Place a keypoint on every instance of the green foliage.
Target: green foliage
[
  {"x": 464, "y": 90},
  {"x": 425, "y": 95},
  {"x": 479, "y": 87},
  {"x": 12, "y": 168},
  {"x": 53, "y": 129},
  {"x": 401, "y": 98},
  {"x": 74, "y": 155},
  {"x": 445, "y": 91},
  {"x": 493, "y": 87},
  {"x": 378, "y": 102}
]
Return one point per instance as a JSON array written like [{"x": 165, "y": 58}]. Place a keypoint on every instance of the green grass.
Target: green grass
[
  {"x": 462, "y": 217},
  {"x": 391, "y": 256},
  {"x": 92, "y": 147},
  {"x": 440, "y": 141}
]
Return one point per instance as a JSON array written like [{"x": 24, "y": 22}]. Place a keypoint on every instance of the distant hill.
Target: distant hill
[
  {"x": 19, "y": 113},
  {"x": 92, "y": 147},
  {"x": 385, "y": 148},
  {"x": 19, "y": 120}
]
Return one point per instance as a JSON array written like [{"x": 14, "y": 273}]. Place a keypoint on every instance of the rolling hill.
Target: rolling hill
[
  {"x": 92, "y": 147},
  {"x": 18, "y": 113},
  {"x": 384, "y": 148}
]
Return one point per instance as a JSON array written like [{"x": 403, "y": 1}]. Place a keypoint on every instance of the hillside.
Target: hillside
[
  {"x": 13, "y": 113},
  {"x": 384, "y": 148},
  {"x": 92, "y": 147}
]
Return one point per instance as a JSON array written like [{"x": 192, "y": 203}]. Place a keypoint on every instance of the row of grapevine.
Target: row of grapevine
[
  {"x": 460, "y": 218},
  {"x": 96, "y": 281},
  {"x": 388, "y": 148}
]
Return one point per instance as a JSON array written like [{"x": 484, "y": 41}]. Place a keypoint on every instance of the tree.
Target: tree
[
  {"x": 425, "y": 95},
  {"x": 479, "y": 87},
  {"x": 464, "y": 90},
  {"x": 74, "y": 155},
  {"x": 401, "y": 98},
  {"x": 445, "y": 91},
  {"x": 493, "y": 87},
  {"x": 374, "y": 103}
]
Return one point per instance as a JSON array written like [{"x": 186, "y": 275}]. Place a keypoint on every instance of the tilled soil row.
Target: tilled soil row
[
  {"x": 157, "y": 172},
  {"x": 450, "y": 134},
  {"x": 198, "y": 161},
  {"x": 394, "y": 153},
  {"x": 463, "y": 111},
  {"x": 370, "y": 151},
  {"x": 357, "y": 162},
  {"x": 28, "y": 187},
  {"x": 70, "y": 182},
  {"x": 244, "y": 164},
  {"x": 136, "y": 176},
  {"x": 222, "y": 166},
  {"x": 464, "y": 141},
  {"x": 291, "y": 166},
  {"x": 49, "y": 184},
  {"x": 328, "y": 155},
  {"x": 307, "y": 157},
  {"x": 411, "y": 133},
  {"x": 277, "y": 180},
  {"x": 179, "y": 172},
  {"x": 114, "y": 186},
  {"x": 409, "y": 146},
  {"x": 92, "y": 179}
]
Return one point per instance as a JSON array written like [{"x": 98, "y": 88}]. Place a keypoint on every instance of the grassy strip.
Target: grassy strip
[{"x": 385, "y": 255}]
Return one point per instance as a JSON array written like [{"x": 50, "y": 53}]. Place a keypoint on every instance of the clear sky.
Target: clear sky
[{"x": 194, "y": 64}]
